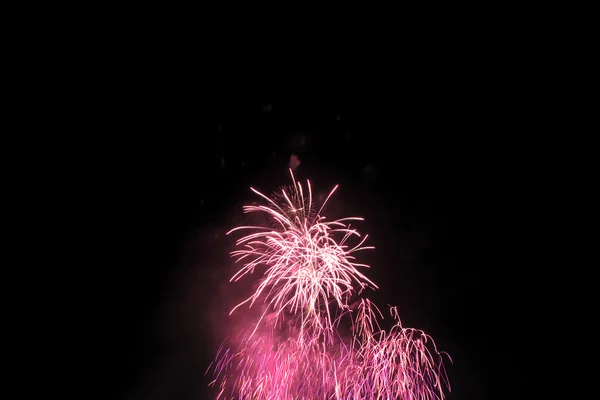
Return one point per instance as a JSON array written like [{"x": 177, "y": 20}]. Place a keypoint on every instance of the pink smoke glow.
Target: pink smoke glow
[{"x": 308, "y": 342}]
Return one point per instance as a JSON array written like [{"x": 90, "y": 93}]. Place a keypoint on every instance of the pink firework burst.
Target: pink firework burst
[
  {"x": 306, "y": 268},
  {"x": 309, "y": 274}
]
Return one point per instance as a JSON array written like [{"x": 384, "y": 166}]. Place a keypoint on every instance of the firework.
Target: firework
[
  {"x": 306, "y": 268},
  {"x": 298, "y": 347}
]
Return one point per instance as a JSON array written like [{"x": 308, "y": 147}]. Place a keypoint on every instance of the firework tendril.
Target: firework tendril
[{"x": 309, "y": 341}]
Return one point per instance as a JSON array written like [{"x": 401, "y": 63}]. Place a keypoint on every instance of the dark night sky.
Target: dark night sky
[{"x": 429, "y": 162}]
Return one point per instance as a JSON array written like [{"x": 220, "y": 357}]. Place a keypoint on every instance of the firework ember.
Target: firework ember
[{"x": 308, "y": 342}]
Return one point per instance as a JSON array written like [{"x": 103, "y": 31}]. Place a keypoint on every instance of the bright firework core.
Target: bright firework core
[{"x": 309, "y": 342}]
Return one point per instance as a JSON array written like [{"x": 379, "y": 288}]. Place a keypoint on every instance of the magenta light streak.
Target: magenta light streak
[{"x": 308, "y": 342}]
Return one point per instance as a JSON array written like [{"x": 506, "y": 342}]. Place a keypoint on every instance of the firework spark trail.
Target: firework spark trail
[{"x": 308, "y": 279}]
